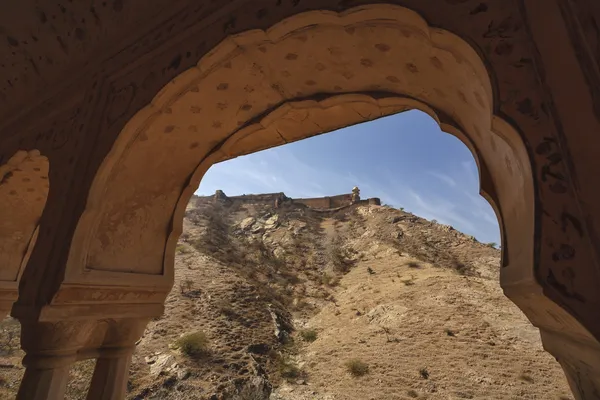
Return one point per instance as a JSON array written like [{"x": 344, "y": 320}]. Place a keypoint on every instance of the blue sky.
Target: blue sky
[{"x": 404, "y": 159}]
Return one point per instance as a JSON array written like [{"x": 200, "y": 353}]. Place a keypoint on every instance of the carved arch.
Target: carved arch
[{"x": 350, "y": 64}]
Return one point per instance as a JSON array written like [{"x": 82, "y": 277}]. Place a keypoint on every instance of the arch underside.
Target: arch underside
[
  {"x": 309, "y": 74},
  {"x": 24, "y": 189}
]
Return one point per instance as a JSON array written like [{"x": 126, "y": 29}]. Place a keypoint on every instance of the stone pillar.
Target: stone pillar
[
  {"x": 4, "y": 309},
  {"x": 114, "y": 357},
  {"x": 110, "y": 375},
  {"x": 51, "y": 349},
  {"x": 45, "y": 377},
  {"x": 579, "y": 358}
]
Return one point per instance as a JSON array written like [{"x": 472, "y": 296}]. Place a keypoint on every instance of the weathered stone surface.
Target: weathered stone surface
[
  {"x": 247, "y": 223},
  {"x": 162, "y": 364}
]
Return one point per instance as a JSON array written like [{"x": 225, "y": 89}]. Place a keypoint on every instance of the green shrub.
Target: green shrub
[
  {"x": 193, "y": 344},
  {"x": 308, "y": 335},
  {"x": 357, "y": 367}
]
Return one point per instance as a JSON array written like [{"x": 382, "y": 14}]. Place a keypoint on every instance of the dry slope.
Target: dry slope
[{"x": 367, "y": 302}]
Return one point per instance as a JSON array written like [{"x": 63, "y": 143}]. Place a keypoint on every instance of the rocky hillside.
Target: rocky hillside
[{"x": 364, "y": 302}]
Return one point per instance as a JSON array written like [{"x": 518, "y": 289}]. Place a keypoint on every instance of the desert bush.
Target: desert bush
[
  {"x": 462, "y": 269},
  {"x": 193, "y": 344},
  {"x": 412, "y": 393},
  {"x": 424, "y": 373},
  {"x": 216, "y": 229},
  {"x": 357, "y": 367},
  {"x": 10, "y": 331},
  {"x": 329, "y": 280},
  {"x": 182, "y": 249},
  {"x": 225, "y": 308},
  {"x": 185, "y": 286},
  {"x": 308, "y": 335},
  {"x": 526, "y": 378},
  {"x": 338, "y": 257},
  {"x": 493, "y": 245},
  {"x": 250, "y": 392},
  {"x": 288, "y": 369}
]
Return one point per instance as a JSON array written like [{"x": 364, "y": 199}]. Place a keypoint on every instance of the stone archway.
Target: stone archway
[
  {"x": 307, "y": 75},
  {"x": 24, "y": 186},
  {"x": 251, "y": 88}
]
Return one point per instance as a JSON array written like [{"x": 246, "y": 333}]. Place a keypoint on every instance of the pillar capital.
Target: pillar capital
[{"x": 51, "y": 349}]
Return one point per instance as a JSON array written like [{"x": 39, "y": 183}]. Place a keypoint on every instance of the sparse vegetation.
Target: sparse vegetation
[
  {"x": 185, "y": 286},
  {"x": 182, "y": 249},
  {"x": 412, "y": 393},
  {"x": 250, "y": 392},
  {"x": 329, "y": 279},
  {"x": 308, "y": 267},
  {"x": 10, "y": 330},
  {"x": 225, "y": 307},
  {"x": 526, "y": 378},
  {"x": 288, "y": 369},
  {"x": 356, "y": 367},
  {"x": 193, "y": 344},
  {"x": 338, "y": 256},
  {"x": 308, "y": 335}
]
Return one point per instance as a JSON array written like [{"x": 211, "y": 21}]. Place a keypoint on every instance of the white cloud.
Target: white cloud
[
  {"x": 444, "y": 178},
  {"x": 443, "y": 211}
]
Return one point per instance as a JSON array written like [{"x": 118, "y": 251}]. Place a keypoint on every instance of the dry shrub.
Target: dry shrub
[
  {"x": 357, "y": 367},
  {"x": 308, "y": 335},
  {"x": 193, "y": 344},
  {"x": 288, "y": 370}
]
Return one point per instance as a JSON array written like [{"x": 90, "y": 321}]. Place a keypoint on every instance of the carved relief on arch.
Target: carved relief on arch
[
  {"x": 309, "y": 65},
  {"x": 24, "y": 189}
]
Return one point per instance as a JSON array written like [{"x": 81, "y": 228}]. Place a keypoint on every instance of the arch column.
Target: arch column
[
  {"x": 109, "y": 381},
  {"x": 51, "y": 349},
  {"x": 579, "y": 359},
  {"x": 111, "y": 373}
]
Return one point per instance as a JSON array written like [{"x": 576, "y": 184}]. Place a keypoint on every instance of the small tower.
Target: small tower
[{"x": 355, "y": 195}]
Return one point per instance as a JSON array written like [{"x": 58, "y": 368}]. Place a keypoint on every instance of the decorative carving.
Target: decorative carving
[{"x": 587, "y": 53}]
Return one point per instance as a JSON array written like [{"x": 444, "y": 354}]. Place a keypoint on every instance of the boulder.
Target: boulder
[
  {"x": 163, "y": 363},
  {"x": 247, "y": 223},
  {"x": 272, "y": 222}
]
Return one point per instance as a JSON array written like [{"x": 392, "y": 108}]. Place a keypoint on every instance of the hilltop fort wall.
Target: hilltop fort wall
[{"x": 275, "y": 199}]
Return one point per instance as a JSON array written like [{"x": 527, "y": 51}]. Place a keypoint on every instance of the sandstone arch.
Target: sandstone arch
[
  {"x": 24, "y": 189},
  {"x": 375, "y": 73},
  {"x": 253, "y": 92}
]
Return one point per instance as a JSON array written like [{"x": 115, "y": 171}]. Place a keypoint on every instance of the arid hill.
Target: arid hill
[{"x": 360, "y": 302}]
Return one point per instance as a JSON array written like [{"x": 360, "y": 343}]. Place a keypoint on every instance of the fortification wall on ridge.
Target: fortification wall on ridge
[{"x": 320, "y": 203}]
